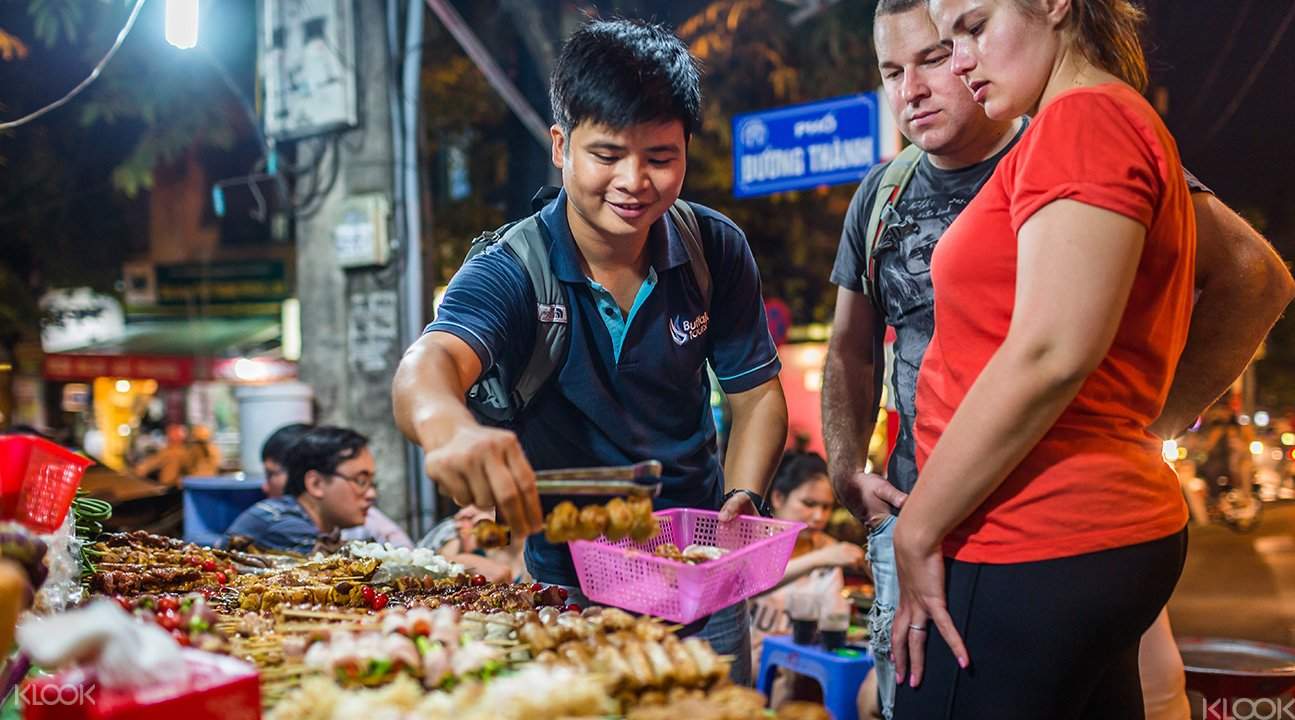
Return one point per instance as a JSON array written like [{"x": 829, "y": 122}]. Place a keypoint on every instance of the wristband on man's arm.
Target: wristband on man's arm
[{"x": 761, "y": 505}]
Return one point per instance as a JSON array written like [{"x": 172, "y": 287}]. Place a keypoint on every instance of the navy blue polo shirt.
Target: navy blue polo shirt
[{"x": 633, "y": 387}]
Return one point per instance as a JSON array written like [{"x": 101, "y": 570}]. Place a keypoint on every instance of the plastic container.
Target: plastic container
[
  {"x": 1229, "y": 668},
  {"x": 38, "y": 481},
  {"x": 834, "y": 622},
  {"x": 627, "y": 575},
  {"x": 211, "y": 504},
  {"x": 216, "y": 688},
  {"x": 804, "y": 608},
  {"x": 262, "y": 409}
]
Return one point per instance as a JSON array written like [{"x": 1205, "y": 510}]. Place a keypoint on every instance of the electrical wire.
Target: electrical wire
[
  {"x": 310, "y": 166},
  {"x": 311, "y": 174},
  {"x": 318, "y": 202},
  {"x": 1254, "y": 75},
  {"x": 94, "y": 74}
]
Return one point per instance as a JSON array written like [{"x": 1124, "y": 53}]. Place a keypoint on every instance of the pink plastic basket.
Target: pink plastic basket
[
  {"x": 627, "y": 575},
  {"x": 38, "y": 481}
]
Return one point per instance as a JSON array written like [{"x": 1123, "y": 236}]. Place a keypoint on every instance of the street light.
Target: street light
[{"x": 182, "y": 23}]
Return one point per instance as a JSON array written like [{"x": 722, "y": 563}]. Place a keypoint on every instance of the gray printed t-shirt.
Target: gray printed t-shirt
[{"x": 932, "y": 200}]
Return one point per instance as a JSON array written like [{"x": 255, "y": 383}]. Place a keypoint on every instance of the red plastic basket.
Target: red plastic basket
[
  {"x": 627, "y": 575},
  {"x": 38, "y": 481}
]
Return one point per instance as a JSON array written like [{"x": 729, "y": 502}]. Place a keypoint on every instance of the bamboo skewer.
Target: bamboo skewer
[
  {"x": 302, "y": 628},
  {"x": 319, "y": 614},
  {"x": 283, "y": 672}
]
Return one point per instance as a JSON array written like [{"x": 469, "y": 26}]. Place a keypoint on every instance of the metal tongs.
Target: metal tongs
[{"x": 637, "y": 480}]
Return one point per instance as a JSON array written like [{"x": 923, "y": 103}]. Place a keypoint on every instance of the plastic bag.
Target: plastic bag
[
  {"x": 62, "y": 588},
  {"x": 123, "y": 652}
]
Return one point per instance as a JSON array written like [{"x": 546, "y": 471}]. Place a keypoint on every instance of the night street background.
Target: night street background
[{"x": 1240, "y": 585}]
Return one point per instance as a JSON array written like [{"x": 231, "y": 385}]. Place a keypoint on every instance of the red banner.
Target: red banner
[{"x": 165, "y": 370}]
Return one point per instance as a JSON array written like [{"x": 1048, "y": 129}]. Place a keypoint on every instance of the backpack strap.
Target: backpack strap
[
  {"x": 496, "y": 399},
  {"x": 685, "y": 221},
  {"x": 530, "y": 243},
  {"x": 894, "y": 180}
]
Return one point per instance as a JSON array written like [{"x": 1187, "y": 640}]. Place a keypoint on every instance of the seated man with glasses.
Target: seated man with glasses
[
  {"x": 274, "y": 458},
  {"x": 329, "y": 488}
]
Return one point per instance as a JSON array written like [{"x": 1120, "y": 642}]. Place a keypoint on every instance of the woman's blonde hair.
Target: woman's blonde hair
[{"x": 1107, "y": 32}]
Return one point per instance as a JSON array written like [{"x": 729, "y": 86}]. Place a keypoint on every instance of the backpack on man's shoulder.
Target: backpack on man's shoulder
[
  {"x": 498, "y": 400},
  {"x": 894, "y": 180}
]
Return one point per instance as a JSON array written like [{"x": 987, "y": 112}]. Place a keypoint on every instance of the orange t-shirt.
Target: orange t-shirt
[{"x": 1097, "y": 479}]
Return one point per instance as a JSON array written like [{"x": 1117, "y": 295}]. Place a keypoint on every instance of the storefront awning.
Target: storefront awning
[
  {"x": 173, "y": 352},
  {"x": 211, "y": 337}
]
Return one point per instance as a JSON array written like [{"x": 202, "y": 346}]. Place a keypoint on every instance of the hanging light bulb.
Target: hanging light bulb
[{"x": 182, "y": 23}]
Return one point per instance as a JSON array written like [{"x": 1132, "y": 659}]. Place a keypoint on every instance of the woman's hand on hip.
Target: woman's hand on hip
[{"x": 922, "y": 603}]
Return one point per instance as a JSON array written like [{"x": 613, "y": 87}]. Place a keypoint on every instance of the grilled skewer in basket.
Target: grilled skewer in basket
[{"x": 618, "y": 519}]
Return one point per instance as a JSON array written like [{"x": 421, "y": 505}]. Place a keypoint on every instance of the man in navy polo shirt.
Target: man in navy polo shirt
[{"x": 633, "y": 385}]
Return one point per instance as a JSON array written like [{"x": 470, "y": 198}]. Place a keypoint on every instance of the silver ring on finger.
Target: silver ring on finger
[{"x": 917, "y": 628}]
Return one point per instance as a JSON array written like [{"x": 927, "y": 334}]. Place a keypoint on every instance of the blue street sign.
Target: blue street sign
[{"x": 803, "y": 146}]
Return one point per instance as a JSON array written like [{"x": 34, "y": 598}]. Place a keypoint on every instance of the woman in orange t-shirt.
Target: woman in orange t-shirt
[{"x": 1045, "y": 532}]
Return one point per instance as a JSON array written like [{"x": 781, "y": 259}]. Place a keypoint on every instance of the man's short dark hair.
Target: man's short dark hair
[
  {"x": 320, "y": 449},
  {"x": 621, "y": 73},
  {"x": 895, "y": 7},
  {"x": 276, "y": 446}
]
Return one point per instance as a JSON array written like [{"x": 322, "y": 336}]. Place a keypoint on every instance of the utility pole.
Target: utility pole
[{"x": 352, "y": 318}]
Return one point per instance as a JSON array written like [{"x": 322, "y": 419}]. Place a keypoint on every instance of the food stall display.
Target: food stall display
[{"x": 370, "y": 630}]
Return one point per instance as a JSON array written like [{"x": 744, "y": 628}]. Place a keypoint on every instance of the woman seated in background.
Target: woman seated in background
[{"x": 801, "y": 492}]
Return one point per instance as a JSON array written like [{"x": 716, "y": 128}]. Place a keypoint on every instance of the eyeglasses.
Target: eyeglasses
[{"x": 362, "y": 482}]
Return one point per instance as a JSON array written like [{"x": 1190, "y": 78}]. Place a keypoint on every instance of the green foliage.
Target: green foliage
[
  {"x": 460, "y": 106},
  {"x": 172, "y": 104},
  {"x": 180, "y": 107},
  {"x": 165, "y": 144},
  {"x": 18, "y": 310},
  {"x": 754, "y": 58},
  {"x": 56, "y": 19},
  {"x": 67, "y": 217}
]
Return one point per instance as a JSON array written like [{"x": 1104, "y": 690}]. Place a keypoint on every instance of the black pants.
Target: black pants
[{"x": 1048, "y": 640}]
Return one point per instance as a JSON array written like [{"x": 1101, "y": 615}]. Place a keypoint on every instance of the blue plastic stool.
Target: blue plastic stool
[
  {"x": 211, "y": 504},
  {"x": 840, "y": 675}
]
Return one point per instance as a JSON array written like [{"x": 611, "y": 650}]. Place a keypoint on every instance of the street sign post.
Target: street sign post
[{"x": 804, "y": 146}]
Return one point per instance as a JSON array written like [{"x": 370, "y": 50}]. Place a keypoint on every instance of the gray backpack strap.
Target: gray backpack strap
[
  {"x": 893, "y": 182},
  {"x": 496, "y": 398},
  {"x": 685, "y": 221},
  {"x": 530, "y": 244}
]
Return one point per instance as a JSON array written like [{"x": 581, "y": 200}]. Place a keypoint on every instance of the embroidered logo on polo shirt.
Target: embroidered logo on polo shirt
[
  {"x": 556, "y": 314},
  {"x": 681, "y": 331}
]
